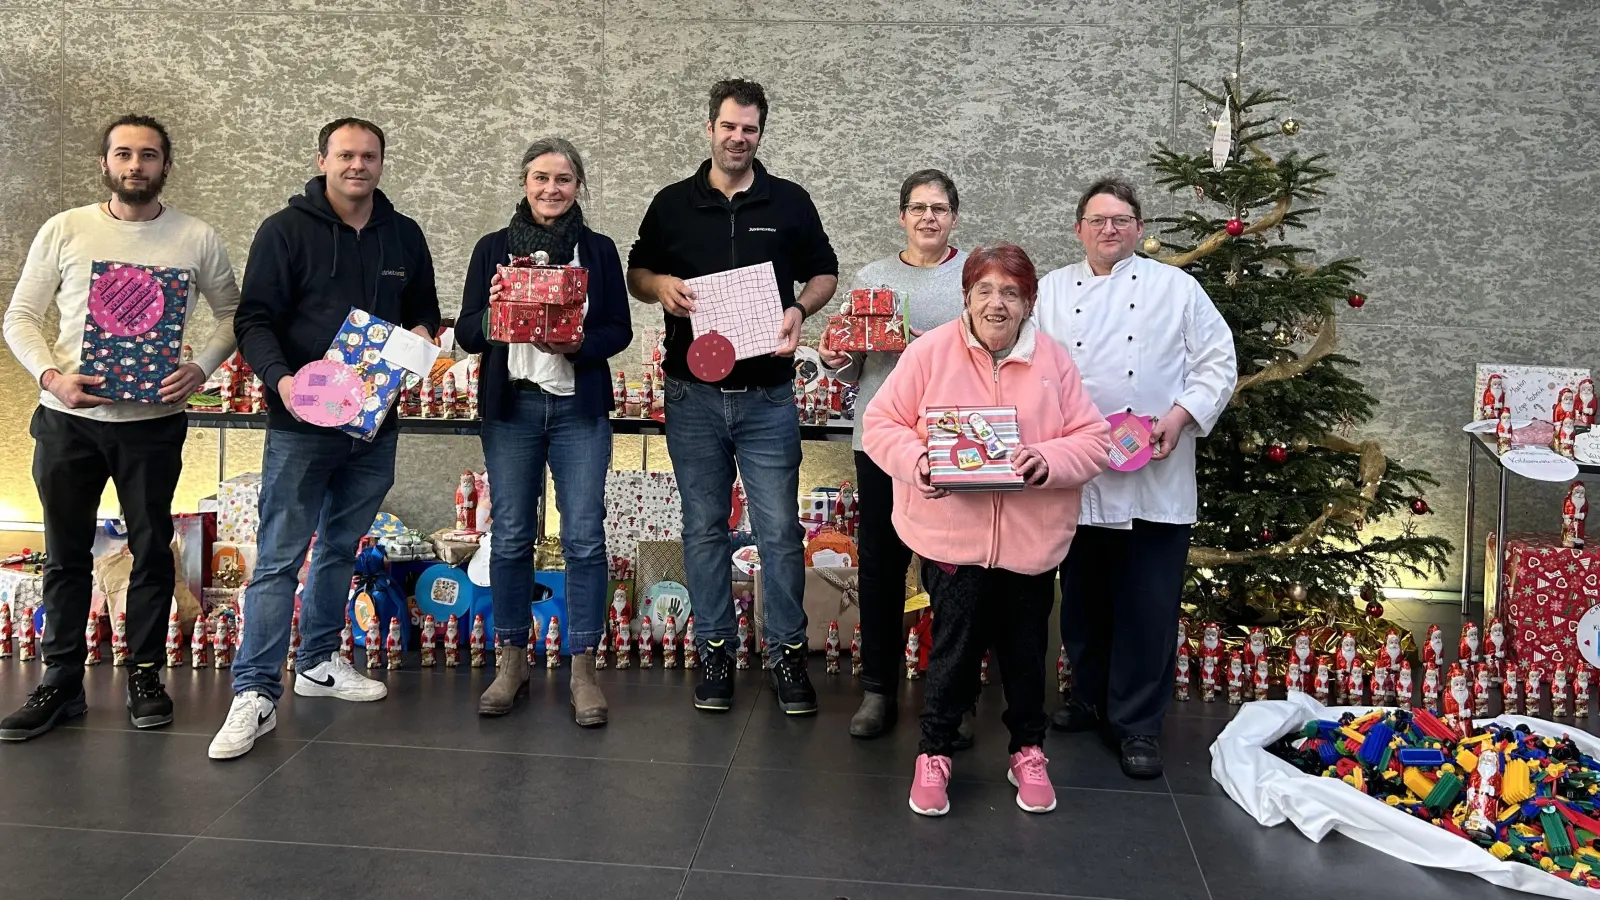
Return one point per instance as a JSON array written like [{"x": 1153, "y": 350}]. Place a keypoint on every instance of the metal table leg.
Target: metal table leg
[
  {"x": 1499, "y": 544},
  {"x": 222, "y": 455},
  {"x": 1466, "y": 545}
]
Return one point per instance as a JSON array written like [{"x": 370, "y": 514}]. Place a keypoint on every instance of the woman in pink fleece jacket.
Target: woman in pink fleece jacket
[{"x": 989, "y": 557}]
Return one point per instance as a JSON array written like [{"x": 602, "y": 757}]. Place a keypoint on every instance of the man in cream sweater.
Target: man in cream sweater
[{"x": 117, "y": 266}]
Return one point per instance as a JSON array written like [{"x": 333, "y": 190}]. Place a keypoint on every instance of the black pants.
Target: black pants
[
  {"x": 72, "y": 458},
  {"x": 973, "y": 609},
  {"x": 882, "y": 580},
  {"x": 1119, "y": 620}
]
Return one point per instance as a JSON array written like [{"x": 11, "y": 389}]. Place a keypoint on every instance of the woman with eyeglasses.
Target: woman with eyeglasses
[{"x": 928, "y": 272}]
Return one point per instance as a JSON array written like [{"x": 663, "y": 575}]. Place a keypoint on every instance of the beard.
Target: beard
[{"x": 135, "y": 196}]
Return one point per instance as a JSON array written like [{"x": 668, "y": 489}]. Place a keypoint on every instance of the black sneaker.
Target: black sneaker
[
  {"x": 790, "y": 679},
  {"x": 1075, "y": 715},
  {"x": 967, "y": 731},
  {"x": 148, "y": 703},
  {"x": 47, "y": 707},
  {"x": 1141, "y": 757},
  {"x": 715, "y": 690}
]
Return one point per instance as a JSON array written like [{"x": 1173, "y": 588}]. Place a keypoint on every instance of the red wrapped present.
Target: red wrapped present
[
  {"x": 539, "y": 303},
  {"x": 888, "y": 335},
  {"x": 850, "y": 334},
  {"x": 1548, "y": 587},
  {"x": 872, "y": 302}
]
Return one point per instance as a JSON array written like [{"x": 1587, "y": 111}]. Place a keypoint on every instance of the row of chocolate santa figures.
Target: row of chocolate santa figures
[
  {"x": 1347, "y": 677},
  {"x": 1575, "y": 408}
]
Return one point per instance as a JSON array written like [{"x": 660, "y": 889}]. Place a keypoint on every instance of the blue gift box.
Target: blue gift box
[
  {"x": 359, "y": 344},
  {"x": 133, "y": 334}
]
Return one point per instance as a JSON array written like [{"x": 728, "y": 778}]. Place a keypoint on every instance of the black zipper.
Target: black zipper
[{"x": 733, "y": 238}]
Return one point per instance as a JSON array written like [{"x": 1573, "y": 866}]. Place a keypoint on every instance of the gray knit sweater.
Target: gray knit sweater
[{"x": 933, "y": 297}]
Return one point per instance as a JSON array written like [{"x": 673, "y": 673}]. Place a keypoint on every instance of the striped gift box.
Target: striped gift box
[{"x": 959, "y": 459}]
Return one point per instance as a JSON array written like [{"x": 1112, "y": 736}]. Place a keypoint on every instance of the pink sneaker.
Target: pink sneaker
[
  {"x": 1034, "y": 791},
  {"x": 928, "y": 796}
]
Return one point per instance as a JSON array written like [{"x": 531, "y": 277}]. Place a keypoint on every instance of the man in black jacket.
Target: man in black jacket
[
  {"x": 339, "y": 245},
  {"x": 730, "y": 214}
]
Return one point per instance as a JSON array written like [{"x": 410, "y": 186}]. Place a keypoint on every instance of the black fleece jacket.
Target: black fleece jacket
[{"x": 307, "y": 269}]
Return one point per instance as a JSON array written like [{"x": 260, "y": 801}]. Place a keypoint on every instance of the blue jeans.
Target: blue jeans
[
  {"x": 546, "y": 428},
  {"x": 708, "y": 432},
  {"x": 329, "y": 484}
]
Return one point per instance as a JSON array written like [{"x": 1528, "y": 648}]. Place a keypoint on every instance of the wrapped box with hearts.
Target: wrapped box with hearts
[
  {"x": 1548, "y": 589},
  {"x": 539, "y": 303},
  {"x": 133, "y": 334},
  {"x": 969, "y": 448}
]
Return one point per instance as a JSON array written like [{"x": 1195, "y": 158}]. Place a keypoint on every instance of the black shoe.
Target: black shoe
[
  {"x": 966, "y": 732},
  {"x": 47, "y": 707},
  {"x": 876, "y": 716},
  {"x": 792, "y": 682},
  {"x": 148, "y": 703},
  {"x": 1141, "y": 757},
  {"x": 715, "y": 690},
  {"x": 1075, "y": 715}
]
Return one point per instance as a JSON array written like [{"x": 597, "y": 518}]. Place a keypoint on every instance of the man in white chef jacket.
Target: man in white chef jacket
[{"x": 1147, "y": 340}]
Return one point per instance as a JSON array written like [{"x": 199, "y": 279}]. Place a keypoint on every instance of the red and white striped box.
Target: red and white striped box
[{"x": 970, "y": 447}]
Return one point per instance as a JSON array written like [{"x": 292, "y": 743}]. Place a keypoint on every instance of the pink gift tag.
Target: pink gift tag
[
  {"x": 1130, "y": 441},
  {"x": 126, "y": 301},
  {"x": 711, "y": 357},
  {"x": 327, "y": 393}
]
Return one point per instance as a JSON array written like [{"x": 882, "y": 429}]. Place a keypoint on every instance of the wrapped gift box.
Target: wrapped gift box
[
  {"x": 238, "y": 500},
  {"x": 539, "y": 303},
  {"x": 961, "y": 459},
  {"x": 640, "y": 506},
  {"x": 873, "y": 302},
  {"x": 133, "y": 334},
  {"x": 850, "y": 333},
  {"x": 831, "y": 595},
  {"x": 1548, "y": 587},
  {"x": 886, "y": 335},
  {"x": 361, "y": 344}
]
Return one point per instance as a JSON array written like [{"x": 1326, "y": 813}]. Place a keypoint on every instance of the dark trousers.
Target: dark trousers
[
  {"x": 882, "y": 580},
  {"x": 1119, "y": 620},
  {"x": 973, "y": 609},
  {"x": 72, "y": 458}
]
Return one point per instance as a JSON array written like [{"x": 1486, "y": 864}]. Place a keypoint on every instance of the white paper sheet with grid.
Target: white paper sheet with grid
[{"x": 742, "y": 305}]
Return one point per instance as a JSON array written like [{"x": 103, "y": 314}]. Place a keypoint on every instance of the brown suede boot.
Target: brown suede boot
[
  {"x": 510, "y": 682},
  {"x": 588, "y": 703}
]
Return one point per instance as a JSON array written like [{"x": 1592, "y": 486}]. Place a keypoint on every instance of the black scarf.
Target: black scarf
[{"x": 558, "y": 239}]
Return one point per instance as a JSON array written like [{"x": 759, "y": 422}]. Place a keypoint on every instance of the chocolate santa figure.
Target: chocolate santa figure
[
  {"x": 1533, "y": 694},
  {"x": 1503, "y": 432},
  {"x": 1574, "y": 515},
  {"x": 374, "y": 645},
  {"x": 604, "y": 644},
  {"x": 623, "y": 645},
  {"x": 1344, "y": 660},
  {"x": 467, "y": 503},
  {"x": 477, "y": 643},
  {"x": 1563, "y": 410},
  {"x": 619, "y": 606},
  {"x": 25, "y": 641},
  {"x": 1322, "y": 684},
  {"x": 1483, "y": 797},
  {"x": 1511, "y": 693},
  {"x": 452, "y": 641},
  {"x": 1430, "y": 688},
  {"x": 983, "y": 669},
  {"x": 5, "y": 631},
  {"x": 1391, "y": 655},
  {"x": 1208, "y": 678},
  {"x": 552, "y": 644},
  {"x": 174, "y": 640},
  {"x": 1564, "y": 440},
  {"x": 391, "y": 645},
  {"x": 1355, "y": 684},
  {"x": 447, "y": 398},
  {"x": 425, "y": 404},
  {"x": 257, "y": 394},
  {"x": 1471, "y": 648},
  {"x": 1458, "y": 692},
  {"x": 855, "y": 650},
  {"x": 1255, "y": 649},
  {"x": 91, "y": 641},
  {"x": 913, "y": 654},
  {"x": 619, "y": 393},
  {"x": 1580, "y": 699},
  {"x": 347, "y": 641},
  {"x": 1301, "y": 656},
  {"x": 669, "y": 644},
  {"x": 222, "y": 643},
  {"x": 1402, "y": 685},
  {"x": 1262, "y": 683},
  {"x": 741, "y": 654},
  {"x": 1211, "y": 644},
  {"x": 647, "y": 643},
  {"x": 430, "y": 633},
  {"x": 1063, "y": 672},
  {"x": 1183, "y": 636},
  {"x": 119, "y": 640},
  {"x": 1584, "y": 407},
  {"x": 1497, "y": 652},
  {"x": 531, "y": 651},
  {"x": 1294, "y": 681},
  {"x": 830, "y": 649},
  {"x": 199, "y": 641},
  {"x": 472, "y": 388},
  {"x": 1382, "y": 686},
  {"x": 1235, "y": 677},
  {"x": 1180, "y": 679},
  {"x": 1433, "y": 650},
  {"x": 1559, "y": 692},
  {"x": 1494, "y": 401},
  {"x": 1482, "y": 686},
  {"x": 691, "y": 649}
]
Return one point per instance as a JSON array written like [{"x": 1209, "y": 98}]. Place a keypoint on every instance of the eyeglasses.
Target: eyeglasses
[
  {"x": 918, "y": 210},
  {"x": 1120, "y": 223}
]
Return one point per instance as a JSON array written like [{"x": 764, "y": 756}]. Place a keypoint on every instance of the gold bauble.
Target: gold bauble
[
  {"x": 1297, "y": 592},
  {"x": 1282, "y": 337},
  {"x": 1299, "y": 444},
  {"x": 1250, "y": 444},
  {"x": 1291, "y": 127},
  {"x": 1150, "y": 246}
]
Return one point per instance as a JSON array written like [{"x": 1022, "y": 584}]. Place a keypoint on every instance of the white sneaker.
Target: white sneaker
[
  {"x": 337, "y": 678},
  {"x": 250, "y": 716}
]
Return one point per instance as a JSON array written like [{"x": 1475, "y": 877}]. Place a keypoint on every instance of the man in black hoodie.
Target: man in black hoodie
[{"x": 339, "y": 245}]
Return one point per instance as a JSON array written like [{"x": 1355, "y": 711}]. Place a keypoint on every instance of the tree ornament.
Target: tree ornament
[
  {"x": 1282, "y": 336},
  {"x": 1297, "y": 592},
  {"x": 1250, "y": 444},
  {"x": 1374, "y": 610},
  {"x": 1369, "y": 593},
  {"x": 1278, "y": 453},
  {"x": 1150, "y": 246},
  {"x": 1266, "y": 534},
  {"x": 1199, "y": 192},
  {"x": 1235, "y": 227},
  {"x": 1300, "y": 444},
  {"x": 1357, "y": 301},
  {"x": 1290, "y": 127},
  {"x": 1420, "y": 506}
]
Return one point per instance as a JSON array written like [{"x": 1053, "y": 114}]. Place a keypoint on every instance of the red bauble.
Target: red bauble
[
  {"x": 1278, "y": 453},
  {"x": 1235, "y": 227},
  {"x": 1266, "y": 534},
  {"x": 1420, "y": 506},
  {"x": 1375, "y": 609},
  {"x": 1357, "y": 300}
]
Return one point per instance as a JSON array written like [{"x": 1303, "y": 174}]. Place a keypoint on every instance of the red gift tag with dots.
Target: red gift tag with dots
[{"x": 711, "y": 357}]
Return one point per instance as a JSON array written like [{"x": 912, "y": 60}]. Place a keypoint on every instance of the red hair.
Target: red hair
[{"x": 1010, "y": 260}]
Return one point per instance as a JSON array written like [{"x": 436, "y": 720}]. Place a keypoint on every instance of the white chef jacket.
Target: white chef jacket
[
  {"x": 551, "y": 371},
  {"x": 1144, "y": 337}
]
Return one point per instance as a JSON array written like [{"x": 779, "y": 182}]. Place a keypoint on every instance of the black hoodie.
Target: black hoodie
[{"x": 307, "y": 268}]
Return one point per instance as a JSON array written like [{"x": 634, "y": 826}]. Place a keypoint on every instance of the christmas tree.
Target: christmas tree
[{"x": 1299, "y": 514}]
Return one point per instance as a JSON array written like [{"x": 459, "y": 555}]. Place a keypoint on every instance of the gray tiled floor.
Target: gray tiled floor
[{"x": 418, "y": 797}]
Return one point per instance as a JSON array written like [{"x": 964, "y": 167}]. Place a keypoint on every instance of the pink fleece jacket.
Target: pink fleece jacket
[{"x": 1026, "y": 531}]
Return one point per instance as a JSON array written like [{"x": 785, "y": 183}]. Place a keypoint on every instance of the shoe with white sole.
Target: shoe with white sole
[
  {"x": 250, "y": 716},
  {"x": 337, "y": 678}
]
